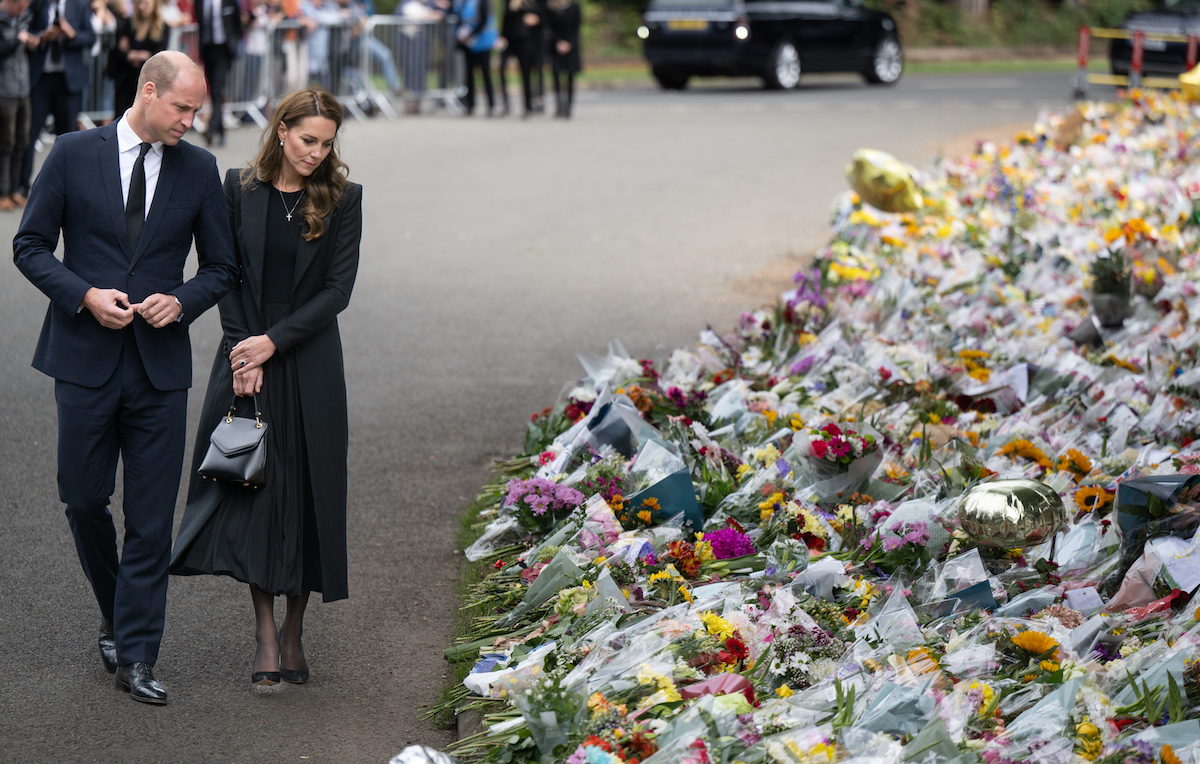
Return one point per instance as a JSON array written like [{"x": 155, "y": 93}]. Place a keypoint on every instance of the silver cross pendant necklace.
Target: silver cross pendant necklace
[{"x": 294, "y": 206}]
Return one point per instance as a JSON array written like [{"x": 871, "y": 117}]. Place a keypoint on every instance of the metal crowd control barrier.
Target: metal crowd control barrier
[
  {"x": 98, "y": 98},
  {"x": 365, "y": 66},
  {"x": 1137, "y": 59},
  {"x": 428, "y": 60}
]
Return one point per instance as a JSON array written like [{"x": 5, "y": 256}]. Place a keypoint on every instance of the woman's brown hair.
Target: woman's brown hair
[
  {"x": 325, "y": 185},
  {"x": 153, "y": 25}
]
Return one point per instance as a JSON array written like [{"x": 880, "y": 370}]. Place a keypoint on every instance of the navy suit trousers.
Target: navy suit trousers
[{"x": 125, "y": 417}]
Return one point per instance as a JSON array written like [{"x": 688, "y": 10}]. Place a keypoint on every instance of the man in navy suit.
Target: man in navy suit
[
  {"x": 129, "y": 199},
  {"x": 58, "y": 69}
]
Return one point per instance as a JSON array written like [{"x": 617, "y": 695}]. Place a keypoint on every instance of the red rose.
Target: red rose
[{"x": 819, "y": 448}]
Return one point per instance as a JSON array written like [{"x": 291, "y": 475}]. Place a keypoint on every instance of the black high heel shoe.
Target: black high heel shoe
[
  {"x": 265, "y": 678},
  {"x": 291, "y": 676}
]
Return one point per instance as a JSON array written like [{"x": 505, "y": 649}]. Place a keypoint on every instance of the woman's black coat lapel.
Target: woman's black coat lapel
[
  {"x": 254, "y": 227},
  {"x": 254, "y": 221}
]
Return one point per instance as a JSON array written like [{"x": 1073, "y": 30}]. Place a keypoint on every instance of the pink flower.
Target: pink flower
[
  {"x": 839, "y": 447},
  {"x": 819, "y": 448}
]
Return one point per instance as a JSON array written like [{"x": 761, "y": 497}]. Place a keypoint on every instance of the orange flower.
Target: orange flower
[
  {"x": 1026, "y": 450},
  {"x": 1168, "y": 755},
  {"x": 1075, "y": 462}
]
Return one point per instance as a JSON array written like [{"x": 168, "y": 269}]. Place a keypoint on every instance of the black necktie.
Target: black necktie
[{"x": 135, "y": 206}]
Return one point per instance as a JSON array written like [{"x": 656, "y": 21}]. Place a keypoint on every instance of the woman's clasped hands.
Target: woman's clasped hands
[{"x": 246, "y": 360}]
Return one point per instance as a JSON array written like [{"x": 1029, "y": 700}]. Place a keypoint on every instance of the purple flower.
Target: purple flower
[
  {"x": 677, "y": 397},
  {"x": 802, "y": 366},
  {"x": 892, "y": 543},
  {"x": 728, "y": 543}
]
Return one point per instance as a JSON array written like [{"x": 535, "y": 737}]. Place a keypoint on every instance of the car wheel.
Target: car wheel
[
  {"x": 783, "y": 71},
  {"x": 887, "y": 64},
  {"x": 669, "y": 79}
]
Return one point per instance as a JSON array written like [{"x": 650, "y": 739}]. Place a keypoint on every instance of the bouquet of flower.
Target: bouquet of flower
[
  {"x": 840, "y": 445},
  {"x": 539, "y": 503}
]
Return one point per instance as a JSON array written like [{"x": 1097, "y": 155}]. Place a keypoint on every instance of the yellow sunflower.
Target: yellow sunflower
[{"x": 1034, "y": 642}]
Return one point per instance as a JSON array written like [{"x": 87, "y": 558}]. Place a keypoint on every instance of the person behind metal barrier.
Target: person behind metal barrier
[
  {"x": 565, "y": 19},
  {"x": 58, "y": 70},
  {"x": 220, "y": 35},
  {"x": 15, "y": 42},
  {"x": 517, "y": 30},
  {"x": 325, "y": 18},
  {"x": 416, "y": 38},
  {"x": 256, "y": 35},
  {"x": 297, "y": 224},
  {"x": 376, "y": 49},
  {"x": 139, "y": 37},
  {"x": 476, "y": 35}
]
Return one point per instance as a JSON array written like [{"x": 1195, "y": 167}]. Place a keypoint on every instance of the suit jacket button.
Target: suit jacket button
[{"x": 133, "y": 273}]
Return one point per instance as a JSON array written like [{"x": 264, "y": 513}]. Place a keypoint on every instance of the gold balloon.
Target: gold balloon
[
  {"x": 1011, "y": 514},
  {"x": 883, "y": 181}
]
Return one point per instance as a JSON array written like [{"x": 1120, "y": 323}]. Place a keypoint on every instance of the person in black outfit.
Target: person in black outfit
[
  {"x": 520, "y": 20},
  {"x": 297, "y": 224},
  {"x": 138, "y": 38},
  {"x": 220, "y": 31},
  {"x": 565, "y": 20}
]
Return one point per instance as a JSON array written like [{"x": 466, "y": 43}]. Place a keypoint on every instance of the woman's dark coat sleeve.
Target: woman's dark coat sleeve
[{"x": 233, "y": 315}]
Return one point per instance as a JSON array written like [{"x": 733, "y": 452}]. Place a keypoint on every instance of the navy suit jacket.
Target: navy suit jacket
[
  {"x": 79, "y": 192},
  {"x": 76, "y": 52}
]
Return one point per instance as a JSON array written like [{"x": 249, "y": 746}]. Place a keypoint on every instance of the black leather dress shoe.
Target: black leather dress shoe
[
  {"x": 138, "y": 680},
  {"x": 108, "y": 646}
]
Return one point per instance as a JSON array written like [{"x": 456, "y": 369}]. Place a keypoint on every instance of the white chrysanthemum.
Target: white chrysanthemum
[{"x": 583, "y": 394}]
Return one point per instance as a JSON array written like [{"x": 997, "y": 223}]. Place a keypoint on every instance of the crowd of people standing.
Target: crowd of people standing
[{"x": 47, "y": 50}]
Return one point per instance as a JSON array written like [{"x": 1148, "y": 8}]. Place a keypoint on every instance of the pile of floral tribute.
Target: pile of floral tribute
[{"x": 754, "y": 554}]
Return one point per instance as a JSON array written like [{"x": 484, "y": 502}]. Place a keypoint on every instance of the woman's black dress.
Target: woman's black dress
[
  {"x": 289, "y": 535},
  {"x": 124, "y": 74}
]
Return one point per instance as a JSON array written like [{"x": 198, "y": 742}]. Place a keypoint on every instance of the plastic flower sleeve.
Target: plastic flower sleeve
[
  {"x": 550, "y": 712},
  {"x": 608, "y": 594},
  {"x": 499, "y": 533},
  {"x": 896, "y": 623},
  {"x": 661, "y": 481},
  {"x": 1048, "y": 718},
  {"x": 560, "y": 573},
  {"x": 612, "y": 370},
  {"x": 899, "y": 710}
]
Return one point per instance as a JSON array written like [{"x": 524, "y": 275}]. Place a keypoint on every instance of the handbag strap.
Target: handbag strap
[{"x": 257, "y": 411}]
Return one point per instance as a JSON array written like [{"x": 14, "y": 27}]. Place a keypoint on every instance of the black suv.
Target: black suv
[
  {"x": 1159, "y": 57},
  {"x": 772, "y": 39}
]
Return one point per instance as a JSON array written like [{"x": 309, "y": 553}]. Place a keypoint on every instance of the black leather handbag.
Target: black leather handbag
[{"x": 237, "y": 449}]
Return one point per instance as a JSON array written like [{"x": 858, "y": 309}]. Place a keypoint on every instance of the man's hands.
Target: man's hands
[
  {"x": 112, "y": 308},
  {"x": 159, "y": 310}
]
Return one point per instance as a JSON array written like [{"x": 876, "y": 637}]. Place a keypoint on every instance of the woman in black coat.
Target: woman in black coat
[
  {"x": 565, "y": 20},
  {"x": 297, "y": 223},
  {"x": 138, "y": 38}
]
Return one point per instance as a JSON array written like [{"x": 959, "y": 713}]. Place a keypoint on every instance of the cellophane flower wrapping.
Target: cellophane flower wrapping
[{"x": 780, "y": 503}]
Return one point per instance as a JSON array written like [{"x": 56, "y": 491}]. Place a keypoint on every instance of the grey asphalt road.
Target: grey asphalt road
[{"x": 493, "y": 252}]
